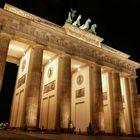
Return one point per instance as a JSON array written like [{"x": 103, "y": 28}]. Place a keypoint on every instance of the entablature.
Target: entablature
[{"x": 51, "y": 36}]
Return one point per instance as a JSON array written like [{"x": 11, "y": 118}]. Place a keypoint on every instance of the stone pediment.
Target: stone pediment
[{"x": 83, "y": 35}]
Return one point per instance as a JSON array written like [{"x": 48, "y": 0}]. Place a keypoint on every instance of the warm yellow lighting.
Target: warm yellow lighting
[
  {"x": 77, "y": 66},
  {"x": 48, "y": 57},
  {"x": 79, "y": 69},
  {"x": 49, "y": 60},
  {"x": 17, "y": 48}
]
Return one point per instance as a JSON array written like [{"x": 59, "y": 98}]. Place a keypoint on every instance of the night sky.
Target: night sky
[{"x": 117, "y": 20}]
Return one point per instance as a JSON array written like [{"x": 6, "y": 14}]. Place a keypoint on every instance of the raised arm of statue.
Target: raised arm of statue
[
  {"x": 73, "y": 12},
  {"x": 71, "y": 15}
]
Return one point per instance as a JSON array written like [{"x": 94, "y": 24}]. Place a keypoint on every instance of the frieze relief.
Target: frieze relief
[
  {"x": 39, "y": 34},
  {"x": 15, "y": 24}
]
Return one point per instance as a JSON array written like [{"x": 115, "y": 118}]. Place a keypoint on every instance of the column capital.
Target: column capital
[
  {"x": 113, "y": 71},
  {"x": 37, "y": 46},
  {"x": 125, "y": 75},
  {"x": 132, "y": 76},
  {"x": 95, "y": 65},
  {"x": 62, "y": 55},
  {"x": 5, "y": 36}
]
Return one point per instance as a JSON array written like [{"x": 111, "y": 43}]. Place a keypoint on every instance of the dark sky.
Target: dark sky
[{"x": 117, "y": 20}]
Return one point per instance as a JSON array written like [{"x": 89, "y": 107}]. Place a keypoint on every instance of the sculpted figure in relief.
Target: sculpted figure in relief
[
  {"x": 71, "y": 15},
  {"x": 92, "y": 28},
  {"x": 77, "y": 22},
  {"x": 86, "y": 25}
]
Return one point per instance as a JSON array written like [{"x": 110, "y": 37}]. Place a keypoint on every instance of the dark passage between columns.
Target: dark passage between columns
[{"x": 7, "y": 91}]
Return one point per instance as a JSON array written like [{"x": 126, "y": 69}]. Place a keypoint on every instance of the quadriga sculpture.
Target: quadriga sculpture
[
  {"x": 86, "y": 25},
  {"x": 77, "y": 22},
  {"x": 92, "y": 28}
]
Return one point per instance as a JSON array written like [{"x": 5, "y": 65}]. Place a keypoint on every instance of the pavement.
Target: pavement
[{"x": 24, "y": 135}]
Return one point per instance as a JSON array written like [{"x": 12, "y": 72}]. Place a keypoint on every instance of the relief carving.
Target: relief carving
[
  {"x": 50, "y": 72},
  {"x": 80, "y": 93},
  {"x": 80, "y": 79},
  {"x": 49, "y": 87},
  {"x": 21, "y": 81}
]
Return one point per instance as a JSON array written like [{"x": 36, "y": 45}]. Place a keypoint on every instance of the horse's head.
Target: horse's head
[
  {"x": 94, "y": 25},
  {"x": 88, "y": 20},
  {"x": 79, "y": 17}
]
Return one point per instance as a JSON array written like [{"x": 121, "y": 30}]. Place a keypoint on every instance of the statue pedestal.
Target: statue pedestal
[{"x": 83, "y": 35}]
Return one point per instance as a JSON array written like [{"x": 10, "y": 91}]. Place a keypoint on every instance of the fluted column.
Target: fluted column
[
  {"x": 4, "y": 44},
  {"x": 33, "y": 87},
  {"x": 64, "y": 92},
  {"x": 117, "y": 105},
  {"x": 133, "y": 94},
  {"x": 96, "y": 98},
  {"x": 129, "y": 125}
]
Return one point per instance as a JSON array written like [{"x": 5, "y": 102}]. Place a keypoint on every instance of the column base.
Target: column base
[{"x": 31, "y": 129}]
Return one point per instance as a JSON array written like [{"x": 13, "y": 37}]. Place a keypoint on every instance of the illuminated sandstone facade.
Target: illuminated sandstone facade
[{"x": 66, "y": 74}]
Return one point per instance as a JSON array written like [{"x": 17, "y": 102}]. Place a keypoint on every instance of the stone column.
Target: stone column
[
  {"x": 133, "y": 94},
  {"x": 129, "y": 126},
  {"x": 4, "y": 44},
  {"x": 64, "y": 92},
  {"x": 33, "y": 88},
  {"x": 96, "y": 99},
  {"x": 116, "y": 102},
  {"x": 110, "y": 100}
]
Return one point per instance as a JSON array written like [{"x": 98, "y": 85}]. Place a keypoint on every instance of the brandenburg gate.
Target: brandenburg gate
[{"x": 66, "y": 74}]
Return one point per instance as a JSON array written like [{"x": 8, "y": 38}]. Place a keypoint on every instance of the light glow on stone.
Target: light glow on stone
[
  {"x": 77, "y": 66},
  {"x": 17, "y": 48},
  {"x": 79, "y": 69}
]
